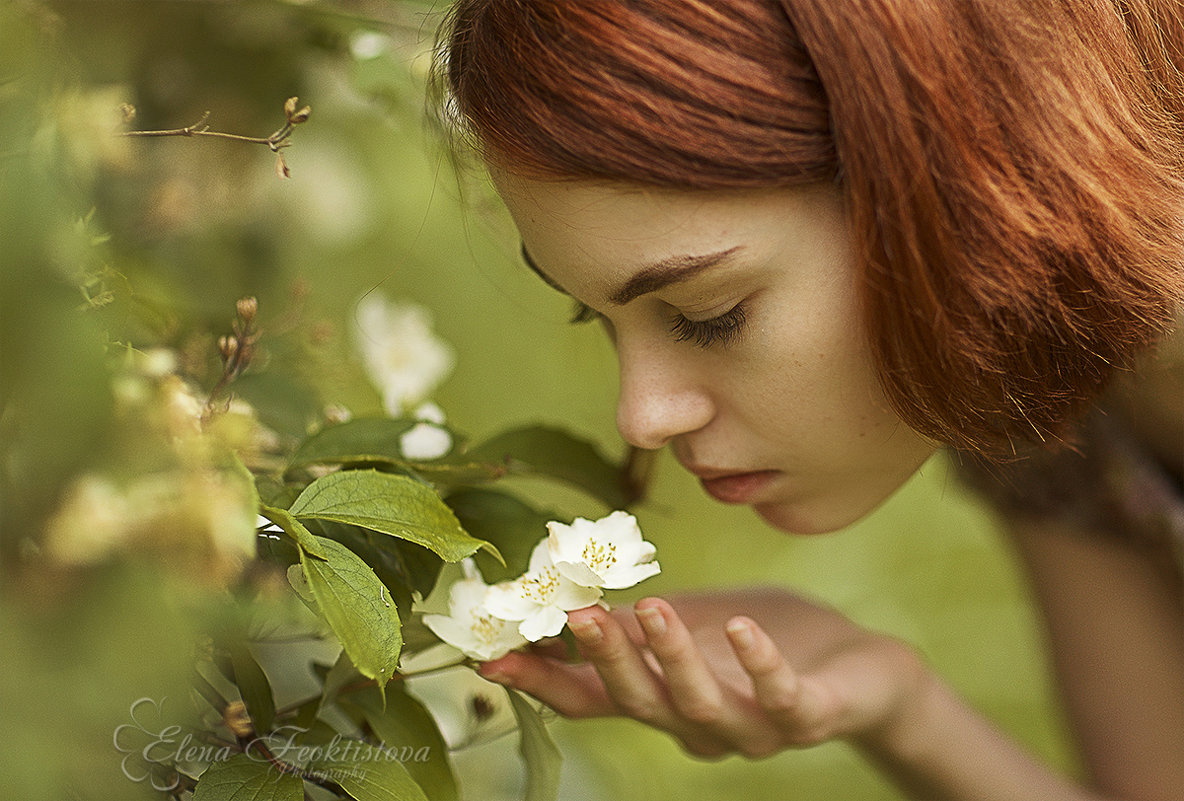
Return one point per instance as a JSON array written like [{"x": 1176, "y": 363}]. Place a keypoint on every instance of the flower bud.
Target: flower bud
[
  {"x": 237, "y": 720},
  {"x": 228, "y": 347},
  {"x": 246, "y": 308},
  {"x": 293, "y": 116}
]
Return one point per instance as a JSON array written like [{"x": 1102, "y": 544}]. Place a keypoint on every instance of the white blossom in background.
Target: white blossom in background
[
  {"x": 91, "y": 522},
  {"x": 608, "y": 553},
  {"x": 428, "y": 439},
  {"x": 365, "y": 45},
  {"x": 336, "y": 413},
  {"x": 541, "y": 598},
  {"x": 469, "y": 625},
  {"x": 404, "y": 358}
]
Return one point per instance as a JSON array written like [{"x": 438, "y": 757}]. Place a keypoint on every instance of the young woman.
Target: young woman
[{"x": 828, "y": 237}]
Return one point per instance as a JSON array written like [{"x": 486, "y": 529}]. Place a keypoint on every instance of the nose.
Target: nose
[{"x": 660, "y": 398}]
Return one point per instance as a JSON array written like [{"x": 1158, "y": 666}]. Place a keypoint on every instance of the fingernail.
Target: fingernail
[
  {"x": 740, "y": 634},
  {"x": 652, "y": 621},
  {"x": 587, "y": 631},
  {"x": 497, "y": 678},
  {"x": 494, "y": 674}
]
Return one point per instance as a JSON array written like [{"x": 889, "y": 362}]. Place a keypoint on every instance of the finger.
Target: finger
[
  {"x": 692, "y": 686},
  {"x": 798, "y": 705},
  {"x": 775, "y": 684},
  {"x": 631, "y": 684},
  {"x": 574, "y": 691},
  {"x": 628, "y": 620},
  {"x": 554, "y": 647}
]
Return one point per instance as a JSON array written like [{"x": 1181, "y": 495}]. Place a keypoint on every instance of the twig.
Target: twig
[
  {"x": 292, "y": 115},
  {"x": 237, "y": 352}
]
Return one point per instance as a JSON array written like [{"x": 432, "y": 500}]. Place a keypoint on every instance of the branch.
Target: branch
[
  {"x": 237, "y": 352},
  {"x": 277, "y": 140}
]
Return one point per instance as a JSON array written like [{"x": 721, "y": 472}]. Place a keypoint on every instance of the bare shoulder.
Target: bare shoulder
[{"x": 1115, "y": 620}]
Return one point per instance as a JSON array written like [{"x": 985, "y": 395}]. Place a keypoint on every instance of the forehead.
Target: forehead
[{"x": 601, "y": 232}]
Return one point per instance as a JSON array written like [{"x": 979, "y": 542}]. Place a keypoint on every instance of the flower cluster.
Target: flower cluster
[
  {"x": 192, "y": 510},
  {"x": 406, "y": 361},
  {"x": 403, "y": 356},
  {"x": 569, "y": 569}
]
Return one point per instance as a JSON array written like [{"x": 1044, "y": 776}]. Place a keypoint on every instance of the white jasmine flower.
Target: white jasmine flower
[
  {"x": 365, "y": 45},
  {"x": 541, "y": 598},
  {"x": 608, "y": 553},
  {"x": 429, "y": 412},
  {"x": 158, "y": 362},
  {"x": 427, "y": 440},
  {"x": 470, "y": 627},
  {"x": 404, "y": 358}
]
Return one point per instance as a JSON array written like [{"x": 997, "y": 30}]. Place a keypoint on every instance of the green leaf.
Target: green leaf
[
  {"x": 294, "y": 529},
  {"x": 359, "y": 440},
  {"x": 369, "y": 774},
  {"x": 395, "y": 505},
  {"x": 376, "y": 441},
  {"x": 402, "y": 566},
  {"x": 242, "y": 778},
  {"x": 300, "y": 585},
  {"x": 538, "y": 751},
  {"x": 247, "y": 477},
  {"x": 556, "y": 453},
  {"x": 253, "y": 686},
  {"x": 358, "y": 608},
  {"x": 406, "y": 727},
  {"x": 341, "y": 674},
  {"x": 274, "y": 492},
  {"x": 504, "y": 520}
]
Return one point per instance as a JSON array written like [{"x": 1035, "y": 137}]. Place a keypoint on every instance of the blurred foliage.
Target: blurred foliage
[
  {"x": 121, "y": 262},
  {"x": 138, "y": 414}
]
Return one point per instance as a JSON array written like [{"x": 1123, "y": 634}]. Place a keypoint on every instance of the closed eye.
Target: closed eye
[{"x": 724, "y": 330}]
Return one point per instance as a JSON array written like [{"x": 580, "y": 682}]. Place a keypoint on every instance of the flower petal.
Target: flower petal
[
  {"x": 579, "y": 573},
  {"x": 547, "y": 622},
  {"x": 628, "y": 576},
  {"x": 540, "y": 557},
  {"x": 508, "y": 601},
  {"x": 453, "y": 633},
  {"x": 570, "y": 595}
]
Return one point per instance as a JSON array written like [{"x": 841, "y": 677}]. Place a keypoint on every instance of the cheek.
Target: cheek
[{"x": 814, "y": 375}]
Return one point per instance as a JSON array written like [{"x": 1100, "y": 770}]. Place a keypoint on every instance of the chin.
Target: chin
[{"x": 812, "y": 518}]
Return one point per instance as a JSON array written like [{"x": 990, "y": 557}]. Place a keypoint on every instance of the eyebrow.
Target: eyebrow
[{"x": 652, "y": 277}]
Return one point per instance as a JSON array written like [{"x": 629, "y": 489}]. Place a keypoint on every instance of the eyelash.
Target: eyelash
[
  {"x": 581, "y": 313},
  {"x": 726, "y": 329}
]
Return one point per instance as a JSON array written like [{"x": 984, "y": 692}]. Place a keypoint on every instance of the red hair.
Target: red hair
[{"x": 1012, "y": 170}]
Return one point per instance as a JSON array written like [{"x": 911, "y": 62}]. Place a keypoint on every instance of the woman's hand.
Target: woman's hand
[{"x": 785, "y": 673}]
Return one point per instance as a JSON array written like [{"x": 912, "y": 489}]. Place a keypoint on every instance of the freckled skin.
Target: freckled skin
[{"x": 795, "y": 392}]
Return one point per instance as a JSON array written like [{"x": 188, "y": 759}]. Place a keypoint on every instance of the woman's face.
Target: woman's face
[{"x": 736, "y": 323}]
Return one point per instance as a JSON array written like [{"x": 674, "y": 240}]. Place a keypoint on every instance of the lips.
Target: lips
[{"x": 735, "y": 487}]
